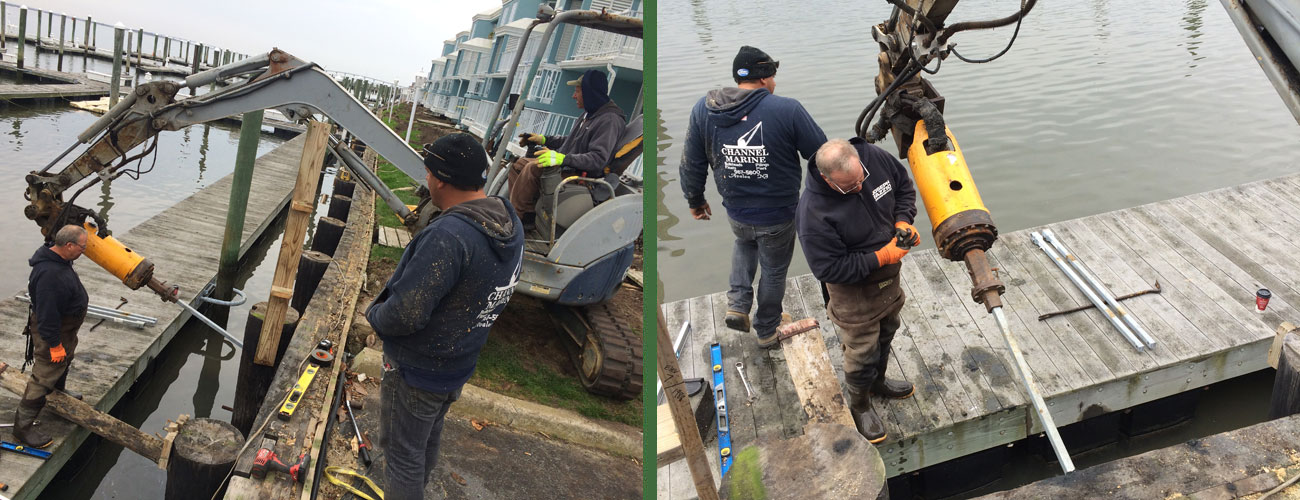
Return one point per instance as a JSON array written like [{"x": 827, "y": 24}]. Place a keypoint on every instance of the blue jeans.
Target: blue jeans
[
  {"x": 410, "y": 427},
  {"x": 769, "y": 247}
]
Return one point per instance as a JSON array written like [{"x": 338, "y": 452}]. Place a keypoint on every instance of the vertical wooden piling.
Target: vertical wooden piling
[
  {"x": 328, "y": 233},
  {"x": 63, "y": 26},
  {"x": 86, "y": 38},
  {"x": 22, "y": 34},
  {"x": 311, "y": 268},
  {"x": 49, "y": 25},
  {"x": 155, "y": 45},
  {"x": 119, "y": 32},
  {"x": 198, "y": 51},
  {"x": 295, "y": 229},
  {"x": 37, "y": 50},
  {"x": 1286, "y": 384},
  {"x": 94, "y": 33},
  {"x": 3, "y": 24},
  {"x": 250, "y": 134},
  {"x": 345, "y": 188},
  {"x": 139, "y": 51},
  {"x": 254, "y": 378},
  {"x": 202, "y": 453},
  {"x": 340, "y": 206},
  {"x": 126, "y": 58},
  {"x": 167, "y": 50}
]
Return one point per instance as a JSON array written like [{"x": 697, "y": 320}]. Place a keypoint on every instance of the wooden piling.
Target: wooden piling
[
  {"x": 139, "y": 51},
  {"x": 328, "y": 232},
  {"x": 87, "y": 40},
  {"x": 167, "y": 50},
  {"x": 63, "y": 26},
  {"x": 36, "y": 48},
  {"x": 679, "y": 404},
  {"x": 3, "y": 24},
  {"x": 22, "y": 35},
  {"x": 254, "y": 378},
  {"x": 345, "y": 188},
  {"x": 1286, "y": 384},
  {"x": 250, "y": 134},
  {"x": 202, "y": 453},
  {"x": 119, "y": 32},
  {"x": 94, "y": 33},
  {"x": 340, "y": 206},
  {"x": 155, "y": 46},
  {"x": 311, "y": 268},
  {"x": 49, "y": 25},
  {"x": 198, "y": 52}
]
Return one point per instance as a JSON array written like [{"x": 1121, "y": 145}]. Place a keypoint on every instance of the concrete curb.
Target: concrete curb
[{"x": 619, "y": 439}]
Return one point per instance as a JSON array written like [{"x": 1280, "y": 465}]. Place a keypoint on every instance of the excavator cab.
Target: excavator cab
[{"x": 566, "y": 195}]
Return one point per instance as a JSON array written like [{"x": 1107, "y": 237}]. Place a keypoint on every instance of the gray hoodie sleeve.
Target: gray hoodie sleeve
[{"x": 603, "y": 138}]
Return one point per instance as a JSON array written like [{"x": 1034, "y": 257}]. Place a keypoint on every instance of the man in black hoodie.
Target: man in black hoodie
[
  {"x": 434, "y": 313},
  {"x": 59, "y": 305},
  {"x": 587, "y": 150},
  {"x": 752, "y": 140},
  {"x": 858, "y": 203}
]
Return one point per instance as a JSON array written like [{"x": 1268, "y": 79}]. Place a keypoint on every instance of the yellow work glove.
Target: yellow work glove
[
  {"x": 526, "y": 138},
  {"x": 549, "y": 158},
  {"x": 57, "y": 354}
]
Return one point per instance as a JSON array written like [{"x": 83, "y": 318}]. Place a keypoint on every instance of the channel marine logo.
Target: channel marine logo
[{"x": 747, "y": 158}]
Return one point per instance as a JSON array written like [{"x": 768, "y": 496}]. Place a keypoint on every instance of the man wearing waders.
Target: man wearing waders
[
  {"x": 59, "y": 305},
  {"x": 752, "y": 140},
  {"x": 434, "y": 313},
  {"x": 859, "y": 203}
]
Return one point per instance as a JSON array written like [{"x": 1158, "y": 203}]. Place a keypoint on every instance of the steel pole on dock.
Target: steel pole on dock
[
  {"x": 63, "y": 26},
  {"x": 1036, "y": 399},
  {"x": 119, "y": 33},
  {"x": 250, "y": 134},
  {"x": 22, "y": 35}
]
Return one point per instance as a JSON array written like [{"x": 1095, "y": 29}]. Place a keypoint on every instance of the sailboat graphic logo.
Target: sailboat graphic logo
[{"x": 744, "y": 142}]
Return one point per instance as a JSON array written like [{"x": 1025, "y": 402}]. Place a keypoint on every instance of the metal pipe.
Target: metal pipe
[
  {"x": 510, "y": 81},
  {"x": 209, "y": 322},
  {"x": 496, "y": 177},
  {"x": 1044, "y": 416},
  {"x": 1097, "y": 285},
  {"x": 356, "y": 166},
  {"x": 1092, "y": 297},
  {"x": 199, "y": 79}
]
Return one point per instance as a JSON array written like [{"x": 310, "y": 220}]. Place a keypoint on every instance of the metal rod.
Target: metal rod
[
  {"x": 510, "y": 81},
  {"x": 1092, "y": 297},
  {"x": 1101, "y": 289},
  {"x": 1042, "y": 317},
  {"x": 369, "y": 178},
  {"x": 1044, "y": 416},
  {"x": 209, "y": 322}
]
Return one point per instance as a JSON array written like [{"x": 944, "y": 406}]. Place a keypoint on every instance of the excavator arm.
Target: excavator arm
[{"x": 277, "y": 80}]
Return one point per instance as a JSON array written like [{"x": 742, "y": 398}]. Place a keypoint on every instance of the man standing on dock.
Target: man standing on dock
[
  {"x": 434, "y": 313},
  {"x": 752, "y": 140},
  {"x": 587, "y": 150},
  {"x": 858, "y": 203},
  {"x": 59, "y": 304}
]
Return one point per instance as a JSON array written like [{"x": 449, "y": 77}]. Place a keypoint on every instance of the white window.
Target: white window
[
  {"x": 508, "y": 15},
  {"x": 544, "y": 86}
]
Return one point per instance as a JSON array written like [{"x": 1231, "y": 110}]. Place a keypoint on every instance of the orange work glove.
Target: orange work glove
[
  {"x": 57, "y": 354},
  {"x": 890, "y": 254},
  {"x": 908, "y": 236}
]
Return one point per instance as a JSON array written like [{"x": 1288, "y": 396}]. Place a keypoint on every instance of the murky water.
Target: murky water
[{"x": 1100, "y": 105}]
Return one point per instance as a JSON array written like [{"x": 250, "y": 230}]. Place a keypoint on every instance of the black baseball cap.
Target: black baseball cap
[
  {"x": 457, "y": 159},
  {"x": 752, "y": 64}
]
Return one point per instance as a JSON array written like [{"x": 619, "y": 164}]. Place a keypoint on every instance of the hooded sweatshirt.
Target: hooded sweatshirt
[
  {"x": 56, "y": 293},
  {"x": 590, "y": 146},
  {"x": 752, "y": 140},
  {"x": 840, "y": 233},
  {"x": 454, "y": 279}
]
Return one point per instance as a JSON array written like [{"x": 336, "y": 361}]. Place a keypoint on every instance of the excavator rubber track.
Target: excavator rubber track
[{"x": 609, "y": 363}]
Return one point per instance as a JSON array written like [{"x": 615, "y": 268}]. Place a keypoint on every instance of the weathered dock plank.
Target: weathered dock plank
[
  {"x": 1209, "y": 251},
  {"x": 112, "y": 358}
]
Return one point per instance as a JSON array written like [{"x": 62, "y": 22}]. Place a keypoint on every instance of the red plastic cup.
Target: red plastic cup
[{"x": 1261, "y": 299}]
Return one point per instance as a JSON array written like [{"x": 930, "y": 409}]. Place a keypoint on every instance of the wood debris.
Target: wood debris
[{"x": 458, "y": 479}]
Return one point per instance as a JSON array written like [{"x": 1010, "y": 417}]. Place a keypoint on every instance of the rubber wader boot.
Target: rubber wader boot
[
  {"x": 62, "y": 385},
  {"x": 864, "y": 416},
  {"x": 25, "y": 430},
  {"x": 893, "y": 389}
]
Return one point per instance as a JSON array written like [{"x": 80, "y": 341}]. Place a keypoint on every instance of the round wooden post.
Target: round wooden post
[
  {"x": 254, "y": 379},
  {"x": 311, "y": 267},
  {"x": 343, "y": 187},
  {"x": 1286, "y": 384},
  {"x": 22, "y": 35},
  {"x": 85, "y": 39},
  {"x": 63, "y": 26},
  {"x": 340, "y": 206},
  {"x": 328, "y": 233},
  {"x": 115, "y": 83},
  {"x": 202, "y": 453}
]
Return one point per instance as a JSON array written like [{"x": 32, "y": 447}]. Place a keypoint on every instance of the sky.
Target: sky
[{"x": 383, "y": 39}]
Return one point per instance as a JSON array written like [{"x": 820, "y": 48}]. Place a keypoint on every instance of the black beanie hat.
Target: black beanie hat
[
  {"x": 457, "y": 159},
  {"x": 752, "y": 64}
]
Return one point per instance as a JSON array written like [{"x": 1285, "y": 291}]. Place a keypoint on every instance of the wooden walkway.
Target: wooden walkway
[
  {"x": 1209, "y": 251},
  {"x": 77, "y": 86},
  {"x": 184, "y": 243}
]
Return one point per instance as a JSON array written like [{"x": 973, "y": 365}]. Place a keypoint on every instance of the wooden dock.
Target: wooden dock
[
  {"x": 70, "y": 86},
  {"x": 183, "y": 242},
  {"x": 1210, "y": 252}
]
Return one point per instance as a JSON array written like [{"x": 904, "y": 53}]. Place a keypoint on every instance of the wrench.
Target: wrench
[{"x": 740, "y": 368}]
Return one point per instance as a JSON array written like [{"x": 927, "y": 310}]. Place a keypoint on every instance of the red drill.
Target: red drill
[{"x": 267, "y": 460}]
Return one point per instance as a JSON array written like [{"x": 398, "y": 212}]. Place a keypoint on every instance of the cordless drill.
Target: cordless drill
[{"x": 267, "y": 460}]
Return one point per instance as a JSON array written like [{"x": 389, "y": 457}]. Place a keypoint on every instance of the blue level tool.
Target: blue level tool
[
  {"x": 720, "y": 395},
  {"x": 18, "y": 448}
]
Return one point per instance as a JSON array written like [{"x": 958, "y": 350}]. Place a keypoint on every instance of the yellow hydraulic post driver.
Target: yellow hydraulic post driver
[{"x": 911, "y": 40}]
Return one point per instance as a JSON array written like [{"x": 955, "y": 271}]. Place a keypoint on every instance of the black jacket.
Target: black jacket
[
  {"x": 56, "y": 293},
  {"x": 840, "y": 233}
]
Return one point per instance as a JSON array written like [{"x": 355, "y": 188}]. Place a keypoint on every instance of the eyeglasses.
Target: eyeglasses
[
  {"x": 855, "y": 188},
  {"x": 83, "y": 247}
]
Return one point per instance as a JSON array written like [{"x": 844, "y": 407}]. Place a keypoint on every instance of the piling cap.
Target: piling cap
[{"x": 119, "y": 25}]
